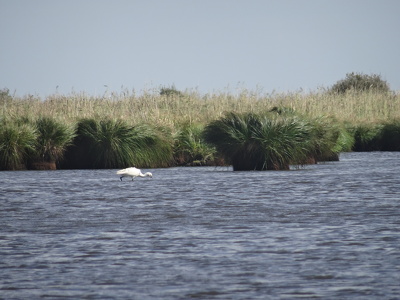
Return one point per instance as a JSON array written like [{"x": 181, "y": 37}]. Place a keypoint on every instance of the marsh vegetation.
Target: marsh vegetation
[{"x": 162, "y": 128}]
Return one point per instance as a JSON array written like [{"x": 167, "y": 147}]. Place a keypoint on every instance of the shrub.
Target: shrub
[
  {"x": 171, "y": 91},
  {"x": 360, "y": 82}
]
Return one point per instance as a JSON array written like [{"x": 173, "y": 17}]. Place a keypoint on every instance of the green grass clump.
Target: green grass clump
[
  {"x": 17, "y": 144},
  {"x": 114, "y": 144},
  {"x": 390, "y": 136},
  {"x": 367, "y": 137},
  {"x": 190, "y": 148},
  {"x": 383, "y": 136},
  {"x": 53, "y": 139},
  {"x": 260, "y": 141},
  {"x": 330, "y": 138}
]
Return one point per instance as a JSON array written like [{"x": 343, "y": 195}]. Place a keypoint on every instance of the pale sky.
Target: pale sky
[{"x": 92, "y": 46}]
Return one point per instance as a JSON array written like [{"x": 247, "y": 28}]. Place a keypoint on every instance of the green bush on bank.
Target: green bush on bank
[
  {"x": 265, "y": 141},
  {"x": 367, "y": 137},
  {"x": 17, "y": 145},
  {"x": 383, "y": 136},
  {"x": 360, "y": 82},
  {"x": 52, "y": 140},
  {"x": 190, "y": 148},
  {"x": 114, "y": 144},
  {"x": 390, "y": 138},
  {"x": 261, "y": 141}
]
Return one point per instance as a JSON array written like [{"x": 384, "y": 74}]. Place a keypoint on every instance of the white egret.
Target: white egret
[{"x": 133, "y": 172}]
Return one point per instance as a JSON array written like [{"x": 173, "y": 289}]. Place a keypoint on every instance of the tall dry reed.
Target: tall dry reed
[{"x": 171, "y": 110}]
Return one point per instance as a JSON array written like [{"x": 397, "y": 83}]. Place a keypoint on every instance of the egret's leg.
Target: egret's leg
[{"x": 121, "y": 178}]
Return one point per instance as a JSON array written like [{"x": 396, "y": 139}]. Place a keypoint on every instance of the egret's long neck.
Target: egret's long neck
[{"x": 142, "y": 175}]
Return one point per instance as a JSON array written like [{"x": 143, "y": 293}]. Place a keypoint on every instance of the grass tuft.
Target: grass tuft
[
  {"x": 367, "y": 137},
  {"x": 53, "y": 139},
  {"x": 190, "y": 148},
  {"x": 114, "y": 144},
  {"x": 390, "y": 136},
  {"x": 260, "y": 142},
  {"x": 17, "y": 144}
]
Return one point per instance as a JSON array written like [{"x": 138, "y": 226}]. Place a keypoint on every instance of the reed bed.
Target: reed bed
[
  {"x": 192, "y": 107},
  {"x": 175, "y": 121}
]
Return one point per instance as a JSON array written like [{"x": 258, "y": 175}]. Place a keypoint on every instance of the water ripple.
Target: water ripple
[{"x": 326, "y": 231}]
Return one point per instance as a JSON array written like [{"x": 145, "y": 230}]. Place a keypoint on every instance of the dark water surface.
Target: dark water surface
[{"x": 329, "y": 231}]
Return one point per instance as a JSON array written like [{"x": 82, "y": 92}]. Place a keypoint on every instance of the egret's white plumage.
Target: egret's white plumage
[{"x": 132, "y": 172}]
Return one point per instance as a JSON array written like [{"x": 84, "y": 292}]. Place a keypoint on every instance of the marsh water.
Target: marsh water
[{"x": 329, "y": 231}]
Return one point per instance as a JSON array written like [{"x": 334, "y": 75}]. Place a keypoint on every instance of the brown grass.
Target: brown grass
[{"x": 169, "y": 111}]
